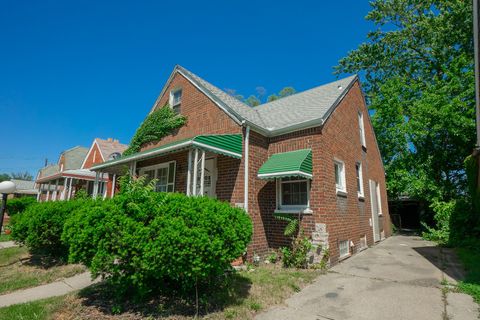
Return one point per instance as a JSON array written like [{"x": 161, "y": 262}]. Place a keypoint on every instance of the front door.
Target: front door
[
  {"x": 210, "y": 180},
  {"x": 374, "y": 203}
]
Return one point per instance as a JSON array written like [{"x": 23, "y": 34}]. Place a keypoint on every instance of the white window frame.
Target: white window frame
[
  {"x": 359, "y": 177},
  {"x": 174, "y": 104},
  {"x": 281, "y": 208},
  {"x": 160, "y": 166},
  {"x": 361, "y": 125},
  {"x": 340, "y": 247},
  {"x": 340, "y": 188}
]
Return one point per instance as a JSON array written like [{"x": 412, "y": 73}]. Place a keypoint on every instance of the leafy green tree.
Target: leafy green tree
[
  {"x": 418, "y": 75},
  {"x": 287, "y": 91},
  {"x": 4, "y": 177},
  {"x": 253, "y": 101},
  {"x": 272, "y": 97}
]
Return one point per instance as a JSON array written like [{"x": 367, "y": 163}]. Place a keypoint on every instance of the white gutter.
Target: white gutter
[{"x": 246, "y": 159}]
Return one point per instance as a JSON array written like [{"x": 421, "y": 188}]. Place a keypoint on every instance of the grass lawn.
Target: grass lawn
[
  {"x": 471, "y": 261},
  {"x": 38, "y": 310},
  {"x": 19, "y": 269},
  {"x": 247, "y": 293},
  {"x": 5, "y": 237}
]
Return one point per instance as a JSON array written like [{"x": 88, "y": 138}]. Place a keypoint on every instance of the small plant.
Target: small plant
[
  {"x": 272, "y": 257},
  {"x": 295, "y": 255}
]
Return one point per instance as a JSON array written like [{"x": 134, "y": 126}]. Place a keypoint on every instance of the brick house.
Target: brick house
[
  {"x": 313, "y": 153},
  {"x": 72, "y": 172}
]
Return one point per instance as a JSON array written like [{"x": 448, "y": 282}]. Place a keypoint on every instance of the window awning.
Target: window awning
[
  {"x": 226, "y": 144},
  {"x": 288, "y": 164}
]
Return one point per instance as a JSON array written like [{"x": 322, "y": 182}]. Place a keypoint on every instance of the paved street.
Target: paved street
[{"x": 399, "y": 278}]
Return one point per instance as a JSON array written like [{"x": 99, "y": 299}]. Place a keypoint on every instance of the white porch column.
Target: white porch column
[
  {"x": 39, "y": 192},
  {"x": 113, "y": 185},
  {"x": 95, "y": 185},
  {"x": 195, "y": 172},
  {"x": 202, "y": 173},
  {"x": 48, "y": 192},
  {"x": 70, "y": 189},
  {"x": 55, "y": 192},
  {"x": 189, "y": 173},
  {"x": 62, "y": 196},
  {"x": 105, "y": 185}
]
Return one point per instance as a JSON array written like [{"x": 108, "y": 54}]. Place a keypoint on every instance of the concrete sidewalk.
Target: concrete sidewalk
[
  {"x": 400, "y": 278},
  {"x": 53, "y": 289},
  {"x": 7, "y": 244}
]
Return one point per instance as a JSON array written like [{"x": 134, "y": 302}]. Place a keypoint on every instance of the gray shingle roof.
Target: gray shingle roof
[
  {"x": 305, "y": 108},
  {"x": 110, "y": 146},
  {"x": 24, "y": 185},
  {"x": 74, "y": 157}
]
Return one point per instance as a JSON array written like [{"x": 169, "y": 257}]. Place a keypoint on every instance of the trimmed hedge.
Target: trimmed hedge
[
  {"x": 40, "y": 226},
  {"x": 144, "y": 240},
  {"x": 17, "y": 205}
]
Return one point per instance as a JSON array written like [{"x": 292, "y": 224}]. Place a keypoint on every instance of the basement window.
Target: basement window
[{"x": 344, "y": 248}]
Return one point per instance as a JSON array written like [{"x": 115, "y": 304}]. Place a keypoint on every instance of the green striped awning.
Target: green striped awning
[
  {"x": 226, "y": 144},
  {"x": 288, "y": 164}
]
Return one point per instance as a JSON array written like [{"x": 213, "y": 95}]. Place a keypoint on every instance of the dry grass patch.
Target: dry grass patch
[{"x": 19, "y": 269}]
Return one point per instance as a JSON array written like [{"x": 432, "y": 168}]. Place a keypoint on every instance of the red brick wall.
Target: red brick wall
[
  {"x": 203, "y": 116},
  {"x": 93, "y": 157},
  {"x": 347, "y": 218}
]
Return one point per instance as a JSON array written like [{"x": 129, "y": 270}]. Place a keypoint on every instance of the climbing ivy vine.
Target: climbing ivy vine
[{"x": 156, "y": 125}]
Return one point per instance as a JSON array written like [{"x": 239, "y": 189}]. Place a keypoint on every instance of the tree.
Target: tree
[
  {"x": 287, "y": 91},
  {"x": 418, "y": 75},
  {"x": 4, "y": 177},
  {"x": 253, "y": 101},
  {"x": 22, "y": 176}
]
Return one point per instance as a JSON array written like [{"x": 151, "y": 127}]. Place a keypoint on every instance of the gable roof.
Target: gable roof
[
  {"x": 296, "y": 112},
  {"x": 110, "y": 146}
]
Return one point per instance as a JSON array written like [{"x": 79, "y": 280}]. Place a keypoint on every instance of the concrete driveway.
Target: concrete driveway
[{"x": 400, "y": 278}]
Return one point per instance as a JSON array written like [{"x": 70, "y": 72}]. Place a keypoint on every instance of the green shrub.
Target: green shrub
[
  {"x": 144, "y": 240},
  {"x": 17, "y": 205},
  {"x": 40, "y": 226},
  {"x": 296, "y": 255}
]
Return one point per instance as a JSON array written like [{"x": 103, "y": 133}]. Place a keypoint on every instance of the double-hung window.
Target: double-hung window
[
  {"x": 176, "y": 99},
  {"x": 164, "y": 175},
  {"x": 361, "y": 125},
  {"x": 293, "y": 194},
  {"x": 340, "y": 185},
  {"x": 358, "y": 171}
]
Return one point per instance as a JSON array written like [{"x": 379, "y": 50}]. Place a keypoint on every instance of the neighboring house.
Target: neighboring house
[
  {"x": 24, "y": 188},
  {"x": 72, "y": 172},
  {"x": 313, "y": 153}
]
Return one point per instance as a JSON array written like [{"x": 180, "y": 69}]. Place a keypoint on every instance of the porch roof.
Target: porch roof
[
  {"x": 226, "y": 144},
  {"x": 81, "y": 174},
  {"x": 296, "y": 163}
]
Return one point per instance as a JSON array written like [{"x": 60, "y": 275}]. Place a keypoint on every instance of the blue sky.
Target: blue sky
[{"x": 71, "y": 71}]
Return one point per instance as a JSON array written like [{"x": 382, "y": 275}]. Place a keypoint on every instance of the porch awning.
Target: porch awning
[
  {"x": 296, "y": 163},
  {"x": 226, "y": 144}
]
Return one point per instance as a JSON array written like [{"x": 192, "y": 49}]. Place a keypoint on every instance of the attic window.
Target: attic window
[{"x": 176, "y": 99}]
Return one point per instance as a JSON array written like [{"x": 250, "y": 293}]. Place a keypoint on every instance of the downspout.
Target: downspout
[{"x": 245, "y": 191}]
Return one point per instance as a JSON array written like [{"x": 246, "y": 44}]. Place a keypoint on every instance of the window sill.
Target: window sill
[
  {"x": 341, "y": 258},
  {"x": 341, "y": 193},
  {"x": 294, "y": 211}
]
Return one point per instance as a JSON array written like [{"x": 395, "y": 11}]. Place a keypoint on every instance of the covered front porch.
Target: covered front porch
[
  {"x": 207, "y": 165},
  {"x": 63, "y": 185}
]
